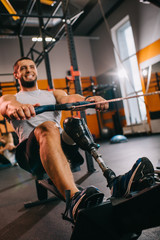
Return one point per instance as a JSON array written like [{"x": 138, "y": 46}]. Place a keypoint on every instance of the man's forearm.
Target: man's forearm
[
  {"x": 72, "y": 98},
  {"x": 62, "y": 97}
]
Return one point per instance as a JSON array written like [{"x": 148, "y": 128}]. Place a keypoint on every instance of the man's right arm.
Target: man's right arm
[{"x": 12, "y": 109}]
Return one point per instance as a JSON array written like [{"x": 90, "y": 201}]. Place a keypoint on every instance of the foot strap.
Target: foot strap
[{"x": 65, "y": 214}]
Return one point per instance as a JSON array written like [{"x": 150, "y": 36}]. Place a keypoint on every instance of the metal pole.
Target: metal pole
[
  {"x": 45, "y": 52},
  {"x": 73, "y": 59},
  {"x": 21, "y": 46}
]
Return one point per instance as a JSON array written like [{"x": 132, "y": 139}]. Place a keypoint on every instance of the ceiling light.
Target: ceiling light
[
  {"x": 50, "y": 39},
  {"x": 144, "y": 1},
  {"x": 47, "y": 39},
  {"x": 37, "y": 39},
  {"x": 34, "y": 39}
]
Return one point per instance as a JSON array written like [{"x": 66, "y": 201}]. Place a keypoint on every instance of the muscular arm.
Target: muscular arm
[
  {"x": 12, "y": 109},
  {"x": 62, "y": 97}
]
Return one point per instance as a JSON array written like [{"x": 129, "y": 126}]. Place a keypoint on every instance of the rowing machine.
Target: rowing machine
[{"x": 117, "y": 219}]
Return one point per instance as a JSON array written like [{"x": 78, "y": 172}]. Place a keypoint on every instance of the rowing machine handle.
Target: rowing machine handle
[{"x": 60, "y": 107}]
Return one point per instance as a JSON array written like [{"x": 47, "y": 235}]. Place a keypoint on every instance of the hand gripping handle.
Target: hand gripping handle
[{"x": 59, "y": 107}]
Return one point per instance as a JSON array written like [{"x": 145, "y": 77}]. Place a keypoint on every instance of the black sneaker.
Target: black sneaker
[
  {"x": 86, "y": 198},
  {"x": 139, "y": 177}
]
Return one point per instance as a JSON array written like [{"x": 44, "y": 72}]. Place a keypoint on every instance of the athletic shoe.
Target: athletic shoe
[
  {"x": 139, "y": 177},
  {"x": 86, "y": 198}
]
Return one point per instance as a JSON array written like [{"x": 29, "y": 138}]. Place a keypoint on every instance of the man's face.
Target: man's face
[{"x": 26, "y": 73}]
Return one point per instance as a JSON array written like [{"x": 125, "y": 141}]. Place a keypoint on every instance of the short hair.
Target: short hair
[{"x": 20, "y": 59}]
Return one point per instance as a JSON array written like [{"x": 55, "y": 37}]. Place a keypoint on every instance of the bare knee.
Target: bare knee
[{"x": 47, "y": 129}]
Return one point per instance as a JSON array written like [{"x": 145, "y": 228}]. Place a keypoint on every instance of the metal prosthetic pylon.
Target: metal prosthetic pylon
[{"x": 77, "y": 129}]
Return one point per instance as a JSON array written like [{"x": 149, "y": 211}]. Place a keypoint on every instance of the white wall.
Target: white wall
[
  {"x": 59, "y": 57},
  {"x": 60, "y": 60},
  {"x": 145, "y": 21},
  {"x": 9, "y": 51},
  {"x": 148, "y": 25},
  {"x": 102, "y": 51}
]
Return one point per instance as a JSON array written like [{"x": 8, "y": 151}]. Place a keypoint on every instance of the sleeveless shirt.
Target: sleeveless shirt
[{"x": 24, "y": 127}]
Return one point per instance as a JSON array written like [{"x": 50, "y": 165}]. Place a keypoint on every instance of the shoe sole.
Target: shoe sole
[{"x": 144, "y": 168}]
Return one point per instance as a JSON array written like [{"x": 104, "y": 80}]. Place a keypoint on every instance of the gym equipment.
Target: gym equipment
[
  {"x": 117, "y": 218},
  {"x": 106, "y": 133},
  {"x": 79, "y": 106},
  {"x": 118, "y": 139},
  {"x": 43, "y": 186},
  {"x": 4, "y": 123},
  {"x": 77, "y": 129},
  {"x": 66, "y": 107},
  {"x": 124, "y": 220}
]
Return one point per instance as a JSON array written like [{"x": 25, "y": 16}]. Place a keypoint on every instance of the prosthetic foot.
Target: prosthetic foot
[{"x": 78, "y": 130}]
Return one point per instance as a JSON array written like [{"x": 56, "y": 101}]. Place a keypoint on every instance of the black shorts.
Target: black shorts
[{"x": 28, "y": 157}]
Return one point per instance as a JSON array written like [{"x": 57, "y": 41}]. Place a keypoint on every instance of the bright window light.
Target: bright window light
[
  {"x": 144, "y": 1},
  {"x": 144, "y": 72},
  {"x": 122, "y": 73},
  {"x": 130, "y": 82}
]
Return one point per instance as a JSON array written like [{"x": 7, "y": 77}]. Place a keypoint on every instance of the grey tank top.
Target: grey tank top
[{"x": 24, "y": 127}]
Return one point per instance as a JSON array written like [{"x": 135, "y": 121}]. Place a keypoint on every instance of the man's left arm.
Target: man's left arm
[{"x": 62, "y": 97}]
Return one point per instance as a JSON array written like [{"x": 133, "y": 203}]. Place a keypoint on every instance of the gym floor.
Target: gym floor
[{"x": 45, "y": 222}]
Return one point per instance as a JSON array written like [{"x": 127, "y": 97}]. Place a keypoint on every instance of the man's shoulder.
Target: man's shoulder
[{"x": 46, "y": 92}]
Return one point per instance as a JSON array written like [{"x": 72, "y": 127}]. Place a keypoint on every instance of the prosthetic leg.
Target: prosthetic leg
[{"x": 77, "y": 129}]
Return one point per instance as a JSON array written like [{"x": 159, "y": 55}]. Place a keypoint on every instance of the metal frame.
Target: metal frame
[
  {"x": 64, "y": 28},
  {"x": 35, "y": 54},
  {"x": 77, "y": 80}
]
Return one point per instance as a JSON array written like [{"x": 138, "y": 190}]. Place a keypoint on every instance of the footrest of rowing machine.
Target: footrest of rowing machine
[
  {"x": 43, "y": 186},
  {"x": 134, "y": 196},
  {"x": 121, "y": 221},
  {"x": 47, "y": 184}
]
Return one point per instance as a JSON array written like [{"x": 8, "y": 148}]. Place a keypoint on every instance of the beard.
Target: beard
[{"x": 27, "y": 84}]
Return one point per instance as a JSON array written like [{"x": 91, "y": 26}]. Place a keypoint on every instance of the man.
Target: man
[{"x": 40, "y": 145}]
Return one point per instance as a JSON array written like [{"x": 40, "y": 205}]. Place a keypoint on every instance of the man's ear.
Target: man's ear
[{"x": 15, "y": 75}]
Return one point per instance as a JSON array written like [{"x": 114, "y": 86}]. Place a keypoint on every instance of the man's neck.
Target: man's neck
[{"x": 25, "y": 89}]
